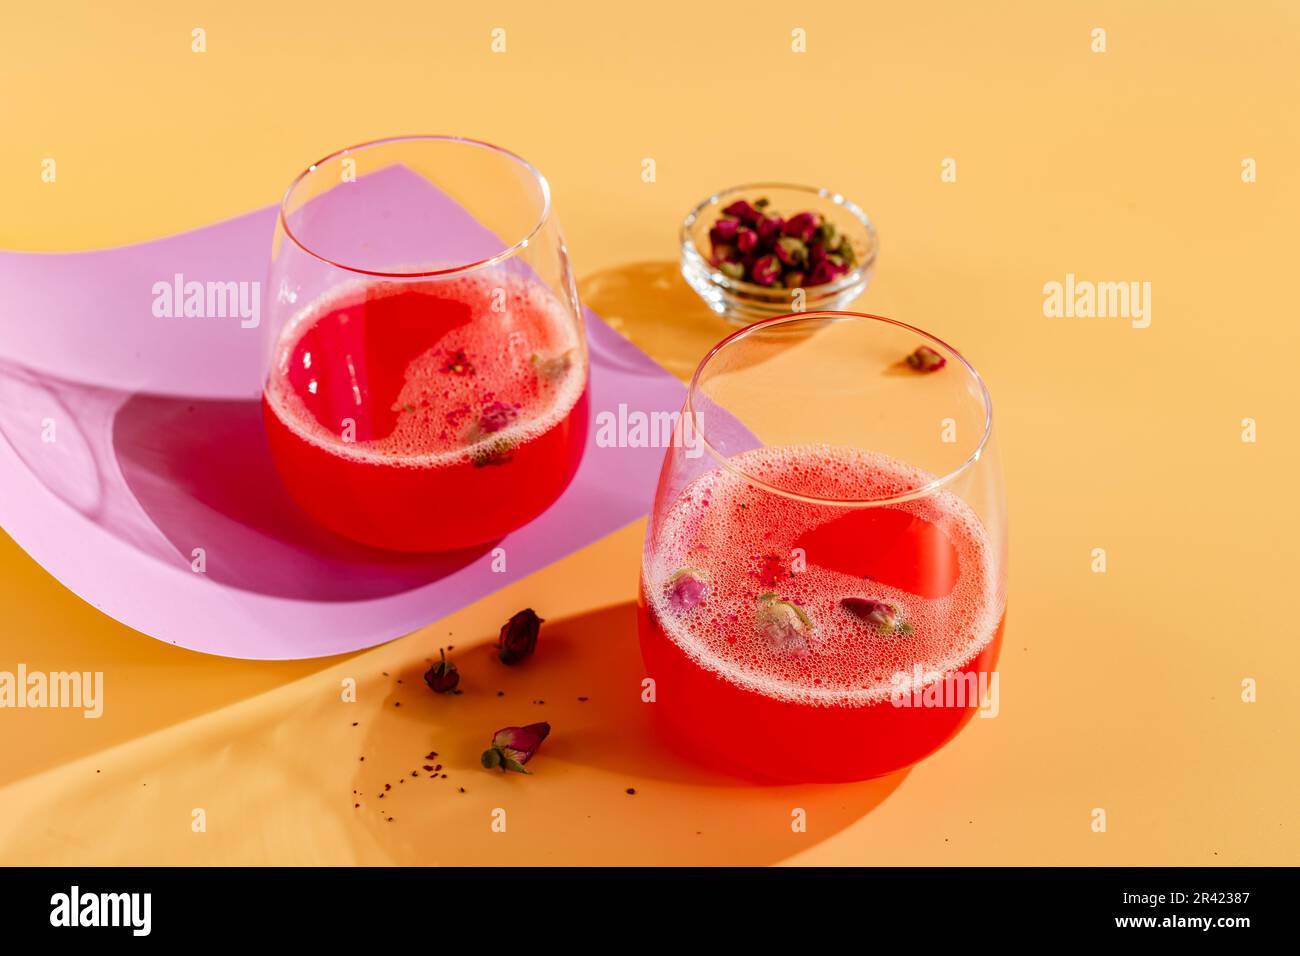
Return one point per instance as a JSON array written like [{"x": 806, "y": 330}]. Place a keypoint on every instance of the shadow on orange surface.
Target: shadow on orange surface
[
  {"x": 650, "y": 304},
  {"x": 604, "y": 789}
]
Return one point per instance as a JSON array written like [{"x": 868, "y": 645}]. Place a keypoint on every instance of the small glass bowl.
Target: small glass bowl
[{"x": 744, "y": 302}]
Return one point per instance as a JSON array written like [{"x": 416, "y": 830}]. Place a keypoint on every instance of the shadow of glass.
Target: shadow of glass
[
  {"x": 202, "y": 472},
  {"x": 166, "y": 475},
  {"x": 652, "y": 306},
  {"x": 585, "y": 680}
]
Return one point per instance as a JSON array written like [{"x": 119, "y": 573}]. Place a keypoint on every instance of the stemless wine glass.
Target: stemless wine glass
[
  {"x": 426, "y": 382},
  {"x": 824, "y": 577}
]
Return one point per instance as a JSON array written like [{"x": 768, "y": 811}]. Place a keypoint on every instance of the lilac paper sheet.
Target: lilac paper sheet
[{"x": 129, "y": 439}]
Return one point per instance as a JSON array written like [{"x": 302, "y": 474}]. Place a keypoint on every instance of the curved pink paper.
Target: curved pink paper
[{"x": 158, "y": 449}]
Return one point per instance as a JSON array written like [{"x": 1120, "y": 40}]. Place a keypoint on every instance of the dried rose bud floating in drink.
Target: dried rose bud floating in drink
[
  {"x": 518, "y": 637},
  {"x": 753, "y": 243},
  {"x": 785, "y": 624},
  {"x": 926, "y": 359},
  {"x": 887, "y": 618},
  {"x": 687, "y": 589},
  {"x": 512, "y": 747}
]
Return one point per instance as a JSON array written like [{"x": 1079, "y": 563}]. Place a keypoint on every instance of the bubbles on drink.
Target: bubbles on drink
[{"x": 878, "y": 589}]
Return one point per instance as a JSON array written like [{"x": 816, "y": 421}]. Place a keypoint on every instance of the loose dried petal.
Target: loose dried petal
[
  {"x": 512, "y": 747},
  {"x": 786, "y": 626},
  {"x": 518, "y": 637},
  {"x": 885, "y": 617},
  {"x": 926, "y": 359},
  {"x": 687, "y": 588},
  {"x": 442, "y": 677}
]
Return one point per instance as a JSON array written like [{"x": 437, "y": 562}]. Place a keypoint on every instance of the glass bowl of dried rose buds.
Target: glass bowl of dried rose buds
[{"x": 765, "y": 249}]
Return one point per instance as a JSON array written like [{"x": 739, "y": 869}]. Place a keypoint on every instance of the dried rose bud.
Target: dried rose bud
[
  {"x": 725, "y": 252},
  {"x": 746, "y": 241},
  {"x": 801, "y": 227},
  {"x": 518, "y": 638},
  {"x": 687, "y": 589},
  {"x": 886, "y": 618},
  {"x": 785, "y": 625},
  {"x": 821, "y": 273},
  {"x": 926, "y": 359},
  {"x": 793, "y": 280},
  {"x": 828, "y": 236},
  {"x": 791, "y": 252},
  {"x": 442, "y": 677},
  {"x": 846, "y": 253},
  {"x": 732, "y": 270},
  {"x": 496, "y": 416},
  {"x": 816, "y": 253},
  {"x": 765, "y": 270},
  {"x": 553, "y": 367},
  {"x": 743, "y": 211},
  {"x": 498, "y": 452},
  {"x": 512, "y": 747},
  {"x": 724, "y": 230},
  {"x": 769, "y": 229},
  {"x": 828, "y": 270},
  {"x": 458, "y": 363}
]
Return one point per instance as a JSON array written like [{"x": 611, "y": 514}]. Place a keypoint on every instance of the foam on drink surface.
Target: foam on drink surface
[
  {"x": 505, "y": 368},
  {"x": 741, "y": 539}
]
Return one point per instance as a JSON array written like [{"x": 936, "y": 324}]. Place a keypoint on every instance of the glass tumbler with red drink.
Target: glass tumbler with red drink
[
  {"x": 823, "y": 585},
  {"x": 426, "y": 385}
]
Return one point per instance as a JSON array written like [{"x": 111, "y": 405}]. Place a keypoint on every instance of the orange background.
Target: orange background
[{"x": 1119, "y": 690}]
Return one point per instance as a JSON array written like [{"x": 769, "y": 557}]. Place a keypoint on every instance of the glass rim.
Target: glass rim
[
  {"x": 922, "y": 491},
  {"x": 543, "y": 185}
]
